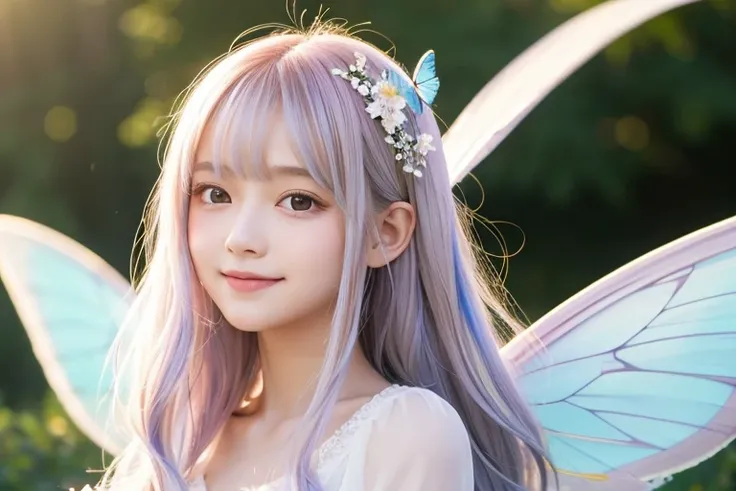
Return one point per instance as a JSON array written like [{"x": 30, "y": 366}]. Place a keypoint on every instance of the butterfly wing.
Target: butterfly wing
[
  {"x": 71, "y": 304},
  {"x": 637, "y": 377},
  {"x": 407, "y": 90},
  {"x": 512, "y": 94},
  {"x": 425, "y": 78}
]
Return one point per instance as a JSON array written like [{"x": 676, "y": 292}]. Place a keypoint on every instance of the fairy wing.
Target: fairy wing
[
  {"x": 511, "y": 95},
  {"x": 71, "y": 304},
  {"x": 636, "y": 379}
]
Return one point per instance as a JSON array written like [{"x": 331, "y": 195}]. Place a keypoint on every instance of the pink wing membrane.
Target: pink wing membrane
[{"x": 512, "y": 94}]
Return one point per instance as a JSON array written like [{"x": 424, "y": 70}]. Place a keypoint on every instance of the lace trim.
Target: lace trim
[{"x": 335, "y": 445}]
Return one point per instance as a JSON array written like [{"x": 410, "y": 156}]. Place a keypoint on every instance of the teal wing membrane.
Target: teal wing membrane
[
  {"x": 634, "y": 379},
  {"x": 71, "y": 304}
]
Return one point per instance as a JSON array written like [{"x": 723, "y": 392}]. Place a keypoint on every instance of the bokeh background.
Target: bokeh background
[{"x": 634, "y": 150}]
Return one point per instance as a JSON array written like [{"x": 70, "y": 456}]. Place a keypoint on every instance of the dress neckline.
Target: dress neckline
[{"x": 332, "y": 446}]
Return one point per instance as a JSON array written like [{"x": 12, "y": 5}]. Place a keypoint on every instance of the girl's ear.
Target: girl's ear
[{"x": 394, "y": 228}]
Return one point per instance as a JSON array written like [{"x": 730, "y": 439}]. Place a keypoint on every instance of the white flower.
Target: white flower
[
  {"x": 391, "y": 116},
  {"x": 363, "y": 90},
  {"x": 337, "y": 71},
  {"x": 424, "y": 144},
  {"x": 355, "y": 82},
  {"x": 374, "y": 109},
  {"x": 387, "y": 105},
  {"x": 392, "y": 120},
  {"x": 360, "y": 61},
  {"x": 389, "y": 93}
]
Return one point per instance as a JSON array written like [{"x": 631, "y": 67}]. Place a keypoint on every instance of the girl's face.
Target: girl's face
[{"x": 267, "y": 251}]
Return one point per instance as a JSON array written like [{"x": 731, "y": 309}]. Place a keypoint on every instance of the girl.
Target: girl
[{"x": 311, "y": 317}]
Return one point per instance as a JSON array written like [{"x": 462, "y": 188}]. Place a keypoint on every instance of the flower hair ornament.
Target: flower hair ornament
[{"x": 386, "y": 99}]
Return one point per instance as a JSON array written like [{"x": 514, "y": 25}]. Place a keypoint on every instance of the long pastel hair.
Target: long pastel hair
[{"x": 426, "y": 320}]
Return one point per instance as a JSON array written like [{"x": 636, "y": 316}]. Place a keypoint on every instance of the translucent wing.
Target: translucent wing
[
  {"x": 71, "y": 304},
  {"x": 425, "y": 78},
  {"x": 507, "y": 99},
  {"x": 407, "y": 90},
  {"x": 637, "y": 377}
]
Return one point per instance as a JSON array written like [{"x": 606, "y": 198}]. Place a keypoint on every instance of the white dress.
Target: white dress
[{"x": 404, "y": 438}]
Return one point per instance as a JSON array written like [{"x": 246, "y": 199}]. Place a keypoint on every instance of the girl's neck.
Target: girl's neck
[{"x": 291, "y": 359}]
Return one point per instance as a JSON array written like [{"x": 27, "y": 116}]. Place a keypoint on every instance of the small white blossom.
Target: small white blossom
[
  {"x": 360, "y": 61},
  {"x": 391, "y": 120},
  {"x": 389, "y": 111},
  {"x": 424, "y": 144},
  {"x": 354, "y": 82},
  {"x": 337, "y": 71},
  {"x": 363, "y": 90}
]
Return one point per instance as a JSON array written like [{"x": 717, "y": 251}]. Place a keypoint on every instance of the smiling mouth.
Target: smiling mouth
[{"x": 250, "y": 284}]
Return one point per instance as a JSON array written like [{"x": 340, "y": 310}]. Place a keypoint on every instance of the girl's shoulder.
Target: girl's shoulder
[
  {"x": 402, "y": 420},
  {"x": 414, "y": 416},
  {"x": 409, "y": 438}
]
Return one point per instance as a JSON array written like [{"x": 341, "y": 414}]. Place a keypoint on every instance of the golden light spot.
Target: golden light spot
[
  {"x": 60, "y": 123},
  {"x": 57, "y": 426},
  {"x": 140, "y": 128},
  {"x": 631, "y": 133},
  {"x": 148, "y": 23}
]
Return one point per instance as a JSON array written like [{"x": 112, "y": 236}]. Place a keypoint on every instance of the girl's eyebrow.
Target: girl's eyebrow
[
  {"x": 276, "y": 170},
  {"x": 289, "y": 170},
  {"x": 206, "y": 166}
]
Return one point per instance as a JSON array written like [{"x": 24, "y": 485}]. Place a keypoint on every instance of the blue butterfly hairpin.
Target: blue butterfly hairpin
[
  {"x": 425, "y": 83},
  {"x": 385, "y": 99}
]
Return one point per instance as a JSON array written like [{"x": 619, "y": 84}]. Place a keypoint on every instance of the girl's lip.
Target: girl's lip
[
  {"x": 247, "y": 275},
  {"x": 250, "y": 284}
]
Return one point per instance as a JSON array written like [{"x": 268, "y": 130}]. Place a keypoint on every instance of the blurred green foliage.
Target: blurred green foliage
[
  {"x": 631, "y": 152},
  {"x": 41, "y": 449}
]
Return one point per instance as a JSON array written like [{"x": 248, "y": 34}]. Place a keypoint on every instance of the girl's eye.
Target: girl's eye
[
  {"x": 298, "y": 202},
  {"x": 214, "y": 196}
]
